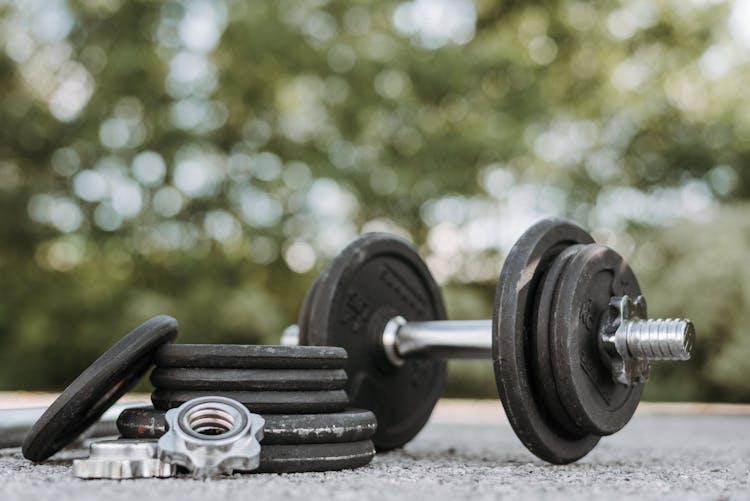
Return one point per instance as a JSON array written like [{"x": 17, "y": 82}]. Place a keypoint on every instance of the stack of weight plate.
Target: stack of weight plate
[{"x": 299, "y": 391}]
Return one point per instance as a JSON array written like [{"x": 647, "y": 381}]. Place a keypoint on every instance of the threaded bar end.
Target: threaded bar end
[{"x": 662, "y": 339}]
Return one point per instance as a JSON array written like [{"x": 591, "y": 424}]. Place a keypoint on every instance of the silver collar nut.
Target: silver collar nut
[
  {"x": 122, "y": 459},
  {"x": 630, "y": 340},
  {"x": 212, "y": 436}
]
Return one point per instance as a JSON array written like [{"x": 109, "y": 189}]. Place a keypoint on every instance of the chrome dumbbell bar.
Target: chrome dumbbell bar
[
  {"x": 629, "y": 339},
  {"x": 16, "y": 423}
]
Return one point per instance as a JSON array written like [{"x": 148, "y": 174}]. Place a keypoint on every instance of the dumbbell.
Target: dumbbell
[{"x": 570, "y": 339}]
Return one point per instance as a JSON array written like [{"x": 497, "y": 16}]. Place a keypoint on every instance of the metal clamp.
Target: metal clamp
[
  {"x": 123, "y": 459},
  {"x": 211, "y": 436}
]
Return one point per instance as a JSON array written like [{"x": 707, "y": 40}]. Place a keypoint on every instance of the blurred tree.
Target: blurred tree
[{"x": 205, "y": 159}]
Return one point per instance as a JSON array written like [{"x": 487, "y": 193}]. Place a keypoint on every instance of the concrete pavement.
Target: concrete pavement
[{"x": 467, "y": 451}]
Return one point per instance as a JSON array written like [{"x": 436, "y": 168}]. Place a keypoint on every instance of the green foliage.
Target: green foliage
[
  {"x": 206, "y": 159},
  {"x": 700, "y": 269}
]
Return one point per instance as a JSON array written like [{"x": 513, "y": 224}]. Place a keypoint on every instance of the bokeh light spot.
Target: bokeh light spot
[
  {"x": 149, "y": 168},
  {"x": 300, "y": 257}
]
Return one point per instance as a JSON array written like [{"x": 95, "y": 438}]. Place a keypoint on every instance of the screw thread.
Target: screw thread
[{"x": 661, "y": 339}]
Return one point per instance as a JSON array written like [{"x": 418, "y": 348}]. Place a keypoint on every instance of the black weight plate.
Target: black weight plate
[
  {"x": 351, "y": 425},
  {"x": 315, "y": 457},
  {"x": 242, "y": 356},
  {"x": 544, "y": 377},
  {"x": 261, "y": 402},
  {"x": 304, "y": 313},
  {"x": 593, "y": 399},
  {"x": 144, "y": 423},
  {"x": 376, "y": 278},
  {"x": 168, "y": 378},
  {"x": 84, "y": 401},
  {"x": 513, "y": 319}
]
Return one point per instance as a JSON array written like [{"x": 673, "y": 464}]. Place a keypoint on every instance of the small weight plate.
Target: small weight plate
[
  {"x": 593, "y": 399},
  {"x": 351, "y": 425},
  {"x": 144, "y": 423},
  {"x": 544, "y": 378},
  {"x": 261, "y": 402},
  {"x": 240, "y": 356},
  {"x": 315, "y": 457},
  {"x": 376, "y": 278},
  {"x": 168, "y": 378},
  {"x": 84, "y": 401},
  {"x": 513, "y": 324}
]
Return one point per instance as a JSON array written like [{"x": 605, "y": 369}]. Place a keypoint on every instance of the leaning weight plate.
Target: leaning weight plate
[
  {"x": 593, "y": 399},
  {"x": 513, "y": 323},
  {"x": 315, "y": 457},
  {"x": 239, "y": 356},
  {"x": 93, "y": 392},
  {"x": 248, "y": 379},
  {"x": 351, "y": 425},
  {"x": 376, "y": 278},
  {"x": 261, "y": 402}
]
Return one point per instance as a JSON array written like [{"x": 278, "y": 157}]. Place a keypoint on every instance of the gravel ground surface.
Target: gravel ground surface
[{"x": 467, "y": 451}]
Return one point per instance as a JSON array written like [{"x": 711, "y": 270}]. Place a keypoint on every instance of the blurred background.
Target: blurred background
[{"x": 206, "y": 159}]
